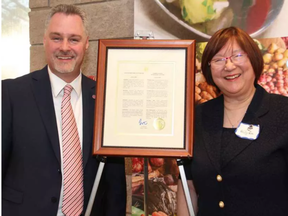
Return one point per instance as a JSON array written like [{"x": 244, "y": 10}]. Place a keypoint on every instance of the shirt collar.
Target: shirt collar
[{"x": 57, "y": 84}]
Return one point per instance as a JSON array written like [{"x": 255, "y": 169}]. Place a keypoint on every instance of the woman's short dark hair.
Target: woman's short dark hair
[{"x": 247, "y": 44}]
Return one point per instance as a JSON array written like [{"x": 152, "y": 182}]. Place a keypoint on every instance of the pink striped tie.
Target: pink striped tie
[{"x": 72, "y": 159}]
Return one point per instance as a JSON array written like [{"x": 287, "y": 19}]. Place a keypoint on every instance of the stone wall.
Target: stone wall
[
  {"x": 112, "y": 19},
  {"x": 107, "y": 19}
]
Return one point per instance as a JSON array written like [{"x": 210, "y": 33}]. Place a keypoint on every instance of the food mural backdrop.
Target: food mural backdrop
[
  {"x": 199, "y": 19},
  {"x": 164, "y": 172},
  {"x": 207, "y": 16}
]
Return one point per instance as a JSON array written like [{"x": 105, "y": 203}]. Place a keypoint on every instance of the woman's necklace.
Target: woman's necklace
[
  {"x": 232, "y": 125},
  {"x": 239, "y": 117},
  {"x": 237, "y": 112}
]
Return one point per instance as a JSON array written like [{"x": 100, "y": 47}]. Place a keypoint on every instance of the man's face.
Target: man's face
[{"x": 65, "y": 43}]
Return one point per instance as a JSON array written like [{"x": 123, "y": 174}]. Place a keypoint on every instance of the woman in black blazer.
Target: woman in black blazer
[{"x": 240, "y": 161}]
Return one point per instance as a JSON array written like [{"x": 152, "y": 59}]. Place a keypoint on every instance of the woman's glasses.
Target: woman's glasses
[{"x": 235, "y": 59}]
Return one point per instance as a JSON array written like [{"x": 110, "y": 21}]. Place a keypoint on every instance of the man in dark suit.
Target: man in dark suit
[{"x": 32, "y": 157}]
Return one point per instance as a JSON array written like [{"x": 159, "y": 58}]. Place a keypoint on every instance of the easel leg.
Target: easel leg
[
  {"x": 146, "y": 186},
  {"x": 95, "y": 186},
  {"x": 185, "y": 187}
]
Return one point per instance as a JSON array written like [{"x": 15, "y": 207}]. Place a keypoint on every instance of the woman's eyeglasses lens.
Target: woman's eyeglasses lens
[{"x": 235, "y": 59}]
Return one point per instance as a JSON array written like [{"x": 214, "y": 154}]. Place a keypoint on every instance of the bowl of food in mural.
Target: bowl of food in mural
[{"x": 205, "y": 17}]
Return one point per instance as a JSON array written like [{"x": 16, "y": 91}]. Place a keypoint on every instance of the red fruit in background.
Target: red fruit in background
[
  {"x": 159, "y": 213},
  {"x": 136, "y": 168},
  {"x": 157, "y": 162},
  {"x": 262, "y": 79},
  {"x": 92, "y": 77},
  {"x": 137, "y": 165},
  {"x": 149, "y": 168},
  {"x": 285, "y": 39}
]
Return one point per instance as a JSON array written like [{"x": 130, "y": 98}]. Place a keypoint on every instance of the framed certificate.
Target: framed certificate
[{"x": 145, "y": 98}]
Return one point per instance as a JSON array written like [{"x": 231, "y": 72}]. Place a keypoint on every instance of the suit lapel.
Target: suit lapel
[
  {"x": 41, "y": 88},
  {"x": 88, "y": 90},
  {"x": 259, "y": 106},
  {"x": 212, "y": 118},
  {"x": 238, "y": 145}
]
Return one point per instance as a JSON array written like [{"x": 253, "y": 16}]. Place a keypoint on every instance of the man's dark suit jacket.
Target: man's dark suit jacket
[
  {"x": 31, "y": 163},
  {"x": 254, "y": 172}
]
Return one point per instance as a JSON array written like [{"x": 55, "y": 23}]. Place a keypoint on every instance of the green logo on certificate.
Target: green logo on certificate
[{"x": 159, "y": 123}]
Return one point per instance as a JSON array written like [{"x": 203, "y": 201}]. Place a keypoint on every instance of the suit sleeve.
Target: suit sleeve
[{"x": 6, "y": 126}]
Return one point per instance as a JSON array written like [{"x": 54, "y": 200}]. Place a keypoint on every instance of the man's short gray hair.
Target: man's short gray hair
[{"x": 68, "y": 9}]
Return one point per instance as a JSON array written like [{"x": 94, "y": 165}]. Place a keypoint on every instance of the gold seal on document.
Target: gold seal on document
[{"x": 159, "y": 123}]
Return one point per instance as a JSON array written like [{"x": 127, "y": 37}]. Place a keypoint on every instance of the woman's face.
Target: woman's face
[{"x": 232, "y": 71}]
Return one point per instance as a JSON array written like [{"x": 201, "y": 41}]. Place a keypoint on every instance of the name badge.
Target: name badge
[{"x": 247, "y": 131}]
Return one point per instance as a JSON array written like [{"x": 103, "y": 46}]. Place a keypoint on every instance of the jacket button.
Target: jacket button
[
  {"x": 219, "y": 178},
  {"x": 221, "y": 204},
  {"x": 59, "y": 171},
  {"x": 53, "y": 199}
]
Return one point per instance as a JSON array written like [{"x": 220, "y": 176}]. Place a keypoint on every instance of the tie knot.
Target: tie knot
[{"x": 68, "y": 89}]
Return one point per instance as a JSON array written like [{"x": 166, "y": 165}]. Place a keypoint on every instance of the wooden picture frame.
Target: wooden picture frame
[{"x": 145, "y": 98}]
